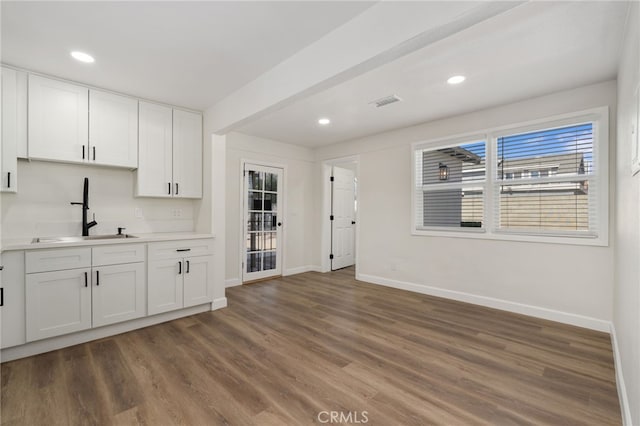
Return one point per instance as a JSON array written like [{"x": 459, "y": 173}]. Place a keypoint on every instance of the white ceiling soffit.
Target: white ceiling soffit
[
  {"x": 532, "y": 50},
  {"x": 382, "y": 33},
  {"x": 191, "y": 54}
]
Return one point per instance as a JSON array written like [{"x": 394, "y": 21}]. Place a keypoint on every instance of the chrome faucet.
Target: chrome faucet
[{"x": 85, "y": 206}]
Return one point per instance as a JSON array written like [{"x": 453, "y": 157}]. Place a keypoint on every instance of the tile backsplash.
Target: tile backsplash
[{"x": 41, "y": 207}]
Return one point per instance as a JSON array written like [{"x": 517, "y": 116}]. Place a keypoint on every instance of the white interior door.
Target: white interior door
[
  {"x": 262, "y": 196},
  {"x": 343, "y": 225}
]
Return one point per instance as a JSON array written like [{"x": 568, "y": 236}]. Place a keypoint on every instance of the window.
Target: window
[
  {"x": 543, "y": 181},
  {"x": 559, "y": 199},
  {"x": 450, "y": 186}
]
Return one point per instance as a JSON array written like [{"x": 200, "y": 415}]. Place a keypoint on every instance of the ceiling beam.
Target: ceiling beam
[{"x": 379, "y": 35}]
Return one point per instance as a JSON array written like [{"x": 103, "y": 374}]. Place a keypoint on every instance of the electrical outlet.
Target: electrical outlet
[
  {"x": 178, "y": 212},
  {"x": 138, "y": 213}
]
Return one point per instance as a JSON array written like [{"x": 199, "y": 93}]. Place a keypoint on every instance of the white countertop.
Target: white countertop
[{"x": 26, "y": 244}]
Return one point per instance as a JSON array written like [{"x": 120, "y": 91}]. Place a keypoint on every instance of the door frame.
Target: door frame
[
  {"x": 241, "y": 236},
  {"x": 326, "y": 210}
]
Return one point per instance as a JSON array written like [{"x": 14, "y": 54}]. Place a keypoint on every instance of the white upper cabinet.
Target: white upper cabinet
[
  {"x": 154, "y": 175},
  {"x": 73, "y": 124},
  {"x": 58, "y": 120},
  {"x": 169, "y": 153},
  {"x": 187, "y": 154},
  {"x": 113, "y": 129},
  {"x": 14, "y": 126}
]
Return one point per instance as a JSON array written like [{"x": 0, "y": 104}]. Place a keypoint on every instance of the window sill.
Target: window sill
[{"x": 483, "y": 234}]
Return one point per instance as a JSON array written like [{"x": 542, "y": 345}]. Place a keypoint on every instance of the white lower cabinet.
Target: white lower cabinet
[
  {"x": 57, "y": 303},
  {"x": 165, "y": 286},
  {"x": 118, "y": 293},
  {"x": 180, "y": 275},
  {"x": 197, "y": 276},
  {"x": 12, "y": 309},
  {"x": 60, "y": 300},
  {"x": 53, "y": 292}
]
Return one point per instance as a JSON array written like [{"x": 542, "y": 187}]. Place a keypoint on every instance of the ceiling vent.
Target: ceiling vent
[{"x": 386, "y": 101}]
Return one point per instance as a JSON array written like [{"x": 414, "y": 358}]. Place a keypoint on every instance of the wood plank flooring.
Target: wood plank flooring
[{"x": 286, "y": 350}]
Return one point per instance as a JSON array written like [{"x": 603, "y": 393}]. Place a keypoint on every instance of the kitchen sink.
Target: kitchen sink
[{"x": 77, "y": 239}]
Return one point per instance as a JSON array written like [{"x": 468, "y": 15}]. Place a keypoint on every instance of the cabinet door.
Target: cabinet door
[
  {"x": 187, "y": 154},
  {"x": 197, "y": 280},
  {"x": 119, "y": 293},
  {"x": 57, "y": 303},
  {"x": 154, "y": 176},
  {"x": 12, "y": 314},
  {"x": 14, "y": 126},
  {"x": 113, "y": 129},
  {"x": 164, "y": 288},
  {"x": 58, "y": 120}
]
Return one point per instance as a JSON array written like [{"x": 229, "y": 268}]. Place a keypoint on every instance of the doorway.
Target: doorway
[
  {"x": 343, "y": 216},
  {"x": 262, "y": 194}
]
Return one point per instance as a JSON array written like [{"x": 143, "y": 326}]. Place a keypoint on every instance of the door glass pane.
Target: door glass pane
[
  {"x": 271, "y": 182},
  {"x": 255, "y": 222},
  {"x": 255, "y": 241},
  {"x": 269, "y": 222},
  {"x": 269, "y": 260},
  {"x": 255, "y": 180},
  {"x": 270, "y": 202},
  {"x": 255, "y": 200},
  {"x": 269, "y": 241},
  {"x": 253, "y": 262}
]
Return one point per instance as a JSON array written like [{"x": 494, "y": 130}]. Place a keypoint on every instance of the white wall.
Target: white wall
[
  {"x": 299, "y": 200},
  {"x": 564, "y": 282},
  {"x": 41, "y": 206},
  {"x": 627, "y": 230}
]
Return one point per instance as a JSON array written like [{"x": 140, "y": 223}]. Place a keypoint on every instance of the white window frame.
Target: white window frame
[{"x": 600, "y": 233}]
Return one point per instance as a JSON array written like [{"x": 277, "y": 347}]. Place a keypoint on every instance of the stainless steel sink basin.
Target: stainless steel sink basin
[{"x": 77, "y": 239}]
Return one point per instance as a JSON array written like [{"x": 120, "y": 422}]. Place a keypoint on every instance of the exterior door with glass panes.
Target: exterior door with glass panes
[{"x": 262, "y": 222}]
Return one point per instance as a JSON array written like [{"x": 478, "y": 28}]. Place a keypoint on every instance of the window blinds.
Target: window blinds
[{"x": 545, "y": 181}]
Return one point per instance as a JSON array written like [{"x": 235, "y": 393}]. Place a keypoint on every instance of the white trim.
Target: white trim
[
  {"x": 301, "y": 270},
  {"x": 219, "y": 303},
  {"x": 504, "y": 305},
  {"x": 46, "y": 345},
  {"x": 625, "y": 410},
  {"x": 232, "y": 282}
]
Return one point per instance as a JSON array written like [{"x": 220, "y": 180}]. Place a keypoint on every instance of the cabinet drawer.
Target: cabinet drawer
[
  {"x": 178, "y": 249},
  {"x": 117, "y": 254},
  {"x": 57, "y": 259}
]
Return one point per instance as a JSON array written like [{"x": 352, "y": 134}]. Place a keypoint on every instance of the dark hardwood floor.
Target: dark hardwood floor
[{"x": 287, "y": 350}]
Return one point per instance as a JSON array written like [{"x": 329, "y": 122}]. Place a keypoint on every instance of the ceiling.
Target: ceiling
[
  {"x": 195, "y": 54},
  {"x": 534, "y": 49},
  {"x": 190, "y": 54}
]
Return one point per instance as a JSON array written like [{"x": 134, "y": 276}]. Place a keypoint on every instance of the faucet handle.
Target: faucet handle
[{"x": 120, "y": 230}]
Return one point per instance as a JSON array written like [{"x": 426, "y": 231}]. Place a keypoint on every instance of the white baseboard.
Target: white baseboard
[
  {"x": 301, "y": 270},
  {"x": 218, "y": 303},
  {"x": 622, "y": 389},
  {"x": 232, "y": 282},
  {"x": 505, "y": 305}
]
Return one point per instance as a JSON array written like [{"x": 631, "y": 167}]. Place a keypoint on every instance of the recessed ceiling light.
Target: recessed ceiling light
[
  {"x": 324, "y": 121},
  {"x": 456, "y": 79},
  {"x": 83, "y": 57}
]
